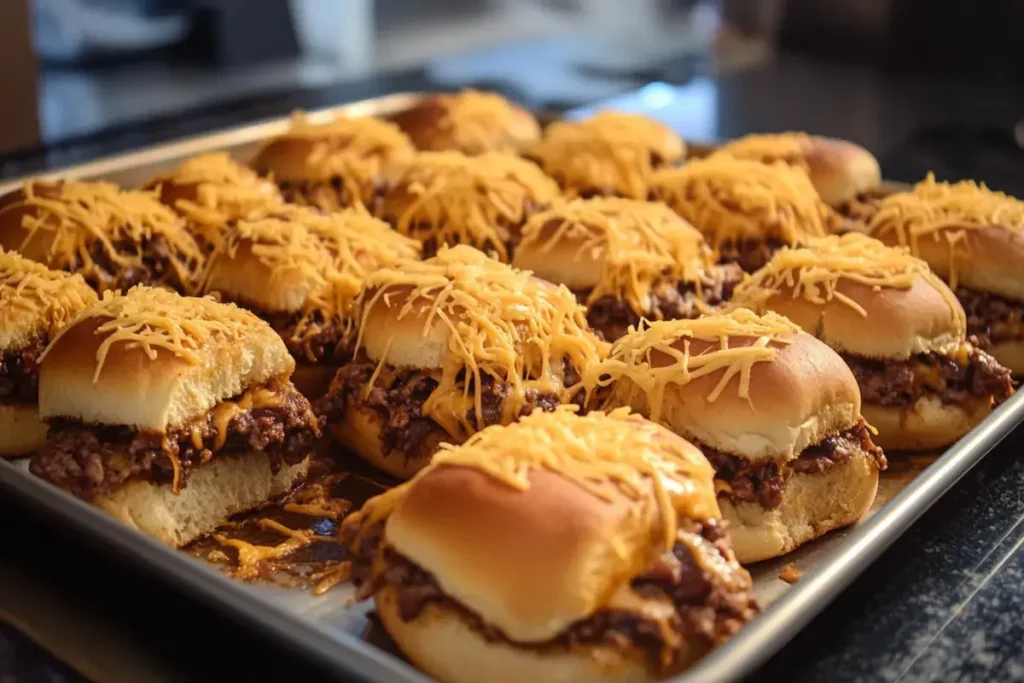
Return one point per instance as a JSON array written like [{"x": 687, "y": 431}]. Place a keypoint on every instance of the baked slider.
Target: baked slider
[
  {"x": 171, "y": 413},
  {"x": 35, "y": 303},
  {"x": 746, "y": 209},
  {"x": 448, "y": 346},
  {"x": 775, "y": 411},
  {"x": 469, "y": 121},
  {"x": 114, "y": 238},
  {"x": 626, "y": 260},
  {"x": 897, "y": 326},
  {"x": 561, "y": 548},
  {"x": 449, "y": 198},
  {"x": 610, "y": 154},
  {"x": 211, "y": 191},
  {"x": 332, "y": 165},
  {"x": 973, "y": 238}
]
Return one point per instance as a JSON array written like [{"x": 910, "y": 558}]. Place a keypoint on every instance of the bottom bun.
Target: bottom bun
[
  {"x": 441, "y": 643},
  {"x": 359, "y": 431},
  {"x": 927, "y": 425},
  {"x": 812, "y": 505},
  {"x": 215, "y": 491},
  {"x": 1010, "y": 355},
  {"x": 313, "y": 381},
  {"x": 21, "y": 430}
]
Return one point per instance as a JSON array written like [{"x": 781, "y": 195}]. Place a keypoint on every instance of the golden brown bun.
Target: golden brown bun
[
  {"x": 216, "y": 490},
  {"x": 805, "y": 394},
  {"x": 404, "y": 339},
  {"x": 562, "y": 262},
  {"x": 1010, "y": 354},
  {"x": 359, "y": 431},
  {"x": 812, "y": 505},
  {"x": 840, "y": 170},
  {"x": 21, "y": 430},
  {"x": 441, "y": 643},
  {"x": 898, "y": 322},
  {"x": 13, "y": 237},
  {"x": 927, "y": 425},
  {"x": 987, "y": 259},
  {"x": 313, "y": 380},
  {"x": 152, "y": 393}
]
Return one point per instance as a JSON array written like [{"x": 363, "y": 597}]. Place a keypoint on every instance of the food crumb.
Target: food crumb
[{"x": 790, "y": 574}]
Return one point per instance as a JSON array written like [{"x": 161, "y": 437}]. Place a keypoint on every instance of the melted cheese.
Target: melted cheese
[
  {"x": 225, "y": 411},
  {"x": 36, "y": 298},
  {"x": 631, "y": 356}
]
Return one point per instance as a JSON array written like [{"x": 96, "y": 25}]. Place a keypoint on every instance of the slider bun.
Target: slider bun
[
  {"x": 529, "y": 562},
  {"x": 987, "y": 259},
  {"x": 442, "y": 643},
  {"x": 401, "y": 340},
  {"x": 812, "y": 505},
  {"x": 35, "y": 246},
  {"x": 287, "y": 159},
  {"x": 840, "y": 170},
  {"x": 146, "y": 393},
  {"x": 359, "y": 431},
  {"x": 927, "y": 425},
  {"x": 425, "y": 124},
  {"x": 899, "y": 322},
  {"x": 805, "y": 394},
  {"x": 562, "y": 261},
  {"x": 244, "y": 277},
  {"x": 216, "y": 490},
  {"x": 1010, "y": 354},
  {"x": 21, "y": 430}
]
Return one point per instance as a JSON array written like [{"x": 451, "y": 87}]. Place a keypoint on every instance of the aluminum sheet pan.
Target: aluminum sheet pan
[{"x": 338, "y": 634}]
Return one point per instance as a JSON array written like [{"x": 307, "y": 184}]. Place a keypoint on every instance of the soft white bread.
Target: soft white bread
[
  {"x": 812, "y": 505},
  {"x": 1010, "y": 354},
  {"x": 21, "y": 430},
  {"x": 215, "y": 491},
  {"x": 926, "y": 425},
  {"x": 150, "y": 358},
  {"x": 360, "y": 429}
]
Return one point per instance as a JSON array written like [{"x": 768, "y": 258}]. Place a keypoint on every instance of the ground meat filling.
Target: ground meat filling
[
  {"x": 708, "y": 612},
  {"x": 749, "y": 255},
  {"x": 763, "y": 481},
  {"x": 90, "y": 460},
  {"x": 612, "y": 316},
  {"x": 398, "y": 395},
  {"x": 859, "y": 211},
  {"x": 903, "y": 382},
  {"x": 329, "y": 194},
  {"x": 991, "y": 318},
  {"x": 155, "y": 266},
  {"x": 326, "y": 346},
  {"x": 19, "y": 374}
]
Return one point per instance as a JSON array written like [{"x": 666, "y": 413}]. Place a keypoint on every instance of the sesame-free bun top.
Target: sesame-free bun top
[
  {"x": 612, "y": 246},
  {"x": 36, "y": 301},
  {"x": 968, "y": 234},
  {"x": 565, "y": 512},
  {"x": 460, "y": 313},
  {"x": 609, "y": 154},
  {"x": 733, "y": 200},
  {"x": 150, "y": 359},
  {"x": 754, "y": 386},
  {"x": 839, "y": 169},
  {"x": 469, "y": 121},
  {"x": 858, "y": 296}
]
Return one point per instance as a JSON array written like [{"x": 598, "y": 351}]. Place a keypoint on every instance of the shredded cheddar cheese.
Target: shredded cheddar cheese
[
  {"x": 636, "y": 243},
  {"x": 478, "y": 122},
  {"x": 632, "y": 356},
  {"x": 36, "y": 300},
  {"x": 790, "y": 148}
]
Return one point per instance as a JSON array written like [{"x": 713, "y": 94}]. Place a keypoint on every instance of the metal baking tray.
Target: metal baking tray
[{"x": 339, "y": 635}]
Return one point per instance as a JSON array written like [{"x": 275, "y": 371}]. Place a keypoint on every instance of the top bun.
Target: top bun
[
  {"x": 36, "y": 301},
  {"x": 840, "y": 170},
  {"x": 754, "y": 386},
  {"x": 150, "y": 359},
  {"x": 469, "y": 121},
  {"x": 859, "y": 297},
  {"x": 565, "y": 512},
  {"x": 968, "y": 234}
]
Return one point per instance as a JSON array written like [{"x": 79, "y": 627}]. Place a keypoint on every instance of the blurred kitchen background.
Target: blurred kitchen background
[{"x": 923, "y": 83}]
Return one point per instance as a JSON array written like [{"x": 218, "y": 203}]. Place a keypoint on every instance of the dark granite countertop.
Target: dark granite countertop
[{"x": 945, "y": 602}]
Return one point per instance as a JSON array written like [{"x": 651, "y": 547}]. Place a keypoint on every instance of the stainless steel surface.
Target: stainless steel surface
[{"x": 334, "y": 632}]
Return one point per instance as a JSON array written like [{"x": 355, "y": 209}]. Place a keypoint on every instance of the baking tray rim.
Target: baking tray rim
[{"x": 740, "y": 656}]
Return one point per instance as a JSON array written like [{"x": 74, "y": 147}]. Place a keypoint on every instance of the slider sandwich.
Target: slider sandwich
[
  {"x": 211, "y": 191},
  {"x": 973, "y": 238},
  {"x": 469, "y": 121},
  {"x": 448, "y": 198},
  {"x": 776, "y": 412},
  {"x": 332, "y": 165},
  {"x": 300, "y": 270},
  {"x": 448, "y": 346},
  {"x": 35, "y": 303},
  {"x": 897, "y": 326},
  {"x": 746, "y": 209},
  {"x": 626, "y": 260},
  {"x": 171, "y": 413},
  {"x": 561, "y": 548},
  {"x": 611, "y": 154},
  {"x": 113, "y": 238}
]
